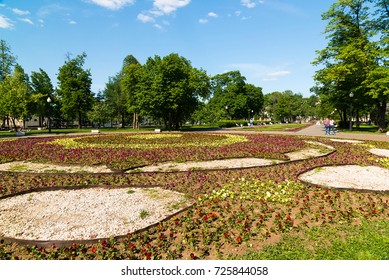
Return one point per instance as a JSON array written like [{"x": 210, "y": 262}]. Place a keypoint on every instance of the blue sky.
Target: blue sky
[{"x": 271, "y": 42}]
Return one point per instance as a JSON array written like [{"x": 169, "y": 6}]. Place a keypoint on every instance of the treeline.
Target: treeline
[
  {"x": 166, "y": 90},
  {"x": 354, "y": 75}
]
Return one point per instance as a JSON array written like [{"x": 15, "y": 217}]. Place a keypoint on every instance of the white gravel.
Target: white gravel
[
  {"x": 212, "y": 164},
  {"x": 86, "y": 213},
  {"x": 26, "y": 166},
  {"x": 380, "y": 152},
  {"x": 349, "y": 177}
]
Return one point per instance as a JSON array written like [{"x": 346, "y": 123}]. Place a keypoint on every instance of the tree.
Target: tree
[
  {"x": 129, "y": 83},
  {"x": 7, "y": 60},
  {"x": 116, "y": 99},
  {"x": 101, "y": 111},
  {"x": 254, "y": 99},
  {"x": 347, "y": 57},
  {"x": 75, "y": 88},
  {"x": 377, "y": 81},
  {"x": 14, "y": 92},
  {"x": 229, "y": 94},
  {"x": 170, "y": 89},
  {"x": 41, "y": 89}
]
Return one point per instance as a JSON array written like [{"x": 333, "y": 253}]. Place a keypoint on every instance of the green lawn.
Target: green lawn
[{"x": 278, "y": 127}]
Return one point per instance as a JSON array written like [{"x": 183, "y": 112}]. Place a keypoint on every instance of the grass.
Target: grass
[
  {"x": 366, "y": 241},
  {"x": 364, "y": 128},
  {"x": 144, "y": 214},
  {"x": 188, "y": 128},
  {"x": 277, "y": 127}
]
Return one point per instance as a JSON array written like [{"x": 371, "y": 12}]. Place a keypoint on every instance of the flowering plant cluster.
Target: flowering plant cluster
[
  {"x": 235, "y": 210},
  {"x": 126, "y": 151}
]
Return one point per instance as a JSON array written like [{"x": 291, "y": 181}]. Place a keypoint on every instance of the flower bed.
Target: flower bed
[{"x": 236, "y": 211}]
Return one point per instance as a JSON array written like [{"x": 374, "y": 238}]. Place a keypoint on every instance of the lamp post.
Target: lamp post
[
  {"x": 48, "y": 114},
  {"x": 227, "y": 112},
  {"x": 351, "y": 110}
]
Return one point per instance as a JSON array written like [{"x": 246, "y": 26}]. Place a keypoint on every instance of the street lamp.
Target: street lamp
[
  {"x": 227, "y": 112},
  {"x": 351, "y": 110},
  {"x": 48, "y": 113}
]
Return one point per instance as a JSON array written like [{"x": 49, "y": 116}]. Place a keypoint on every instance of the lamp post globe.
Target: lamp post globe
[
  {"x": 49, "y": 118},
  {"x": 351, "y": 110}
]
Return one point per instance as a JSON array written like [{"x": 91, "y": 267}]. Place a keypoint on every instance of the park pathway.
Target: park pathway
[{"x": 318, "y": 130}]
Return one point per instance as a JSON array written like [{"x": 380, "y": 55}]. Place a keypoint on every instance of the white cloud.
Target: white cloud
[
  {"x": 169, "y": 6},
  {"x": 27, "y": 20},
  {"x": 145, "y": 18},
  {"x": 112, "y": 4},
  {"x": 72, "y": 22},
  {"x": 248, "y": 3},
  {"x": 259, "y": 72},
  {"x": 161, "y": 8},
  {"x": 212, "y": 14},
  {"x": 5, "y": 22},
  {"x": 203, "y": 21},
  {"x": 20, "y": 12},
  {"x": 278, "y": 73}
]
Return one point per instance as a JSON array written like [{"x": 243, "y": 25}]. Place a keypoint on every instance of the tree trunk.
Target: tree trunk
[
  {"x": 14, "y": 124},
  {"x": 79, "y": 120},
  {"x": 381, "y": 106},
  {"x": 135, "y": 121},
  {"x": 123, "y": 118},
  {"x": 358, "y": 123}
]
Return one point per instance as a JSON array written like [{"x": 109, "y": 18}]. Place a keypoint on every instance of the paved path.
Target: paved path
[{"x": 318, "y": 130}]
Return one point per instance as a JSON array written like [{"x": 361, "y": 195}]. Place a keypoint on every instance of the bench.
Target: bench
[{"x": 95, "y": 131}]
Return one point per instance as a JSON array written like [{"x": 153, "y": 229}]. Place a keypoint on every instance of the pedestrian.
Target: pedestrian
[
  {"x": 332, "y": 126},
  {"x": 327, "y": 126}
]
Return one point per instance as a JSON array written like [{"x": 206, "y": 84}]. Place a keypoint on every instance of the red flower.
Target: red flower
[
  {"x": 192, "y": 256},
  {"x": 104, "y": 243},
  {"x": 239, "y": 239},
  {"x": 93, "y": 249}
]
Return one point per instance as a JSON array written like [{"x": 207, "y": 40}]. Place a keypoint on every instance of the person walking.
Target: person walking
[
  {"x": 332, "y": 127},
  {"x": 327, "y": 126}
]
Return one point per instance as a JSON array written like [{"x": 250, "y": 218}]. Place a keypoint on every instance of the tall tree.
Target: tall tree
[
  {"x": 74, "y": 88},
  {"x": 7, "y": 60},
  {"x": 129, "y": 82},
  {"x": 14, "y": 90},
  {"x": 171, "y": 88},
  {"x": 347, "y": 57},
  {"x": 377, "y": 81},
  {"x": 116, "y": 99},
  {"x": 41, "y": 89},
  {"x": 229, "y": 94}
]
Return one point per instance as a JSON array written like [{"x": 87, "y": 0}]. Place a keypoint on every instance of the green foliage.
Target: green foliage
[
  {"x": 170, "y": 89},
  {"x": 75, "y": 88},
  {"x": 354, "y": 61},
  {"x": 233, "y": 98},
  {"x": 14, "y": 92},
  {"x": 7, "y": 60},
  {"x": 231, "y": 123},
  {"x": 41, "y": 89}
]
